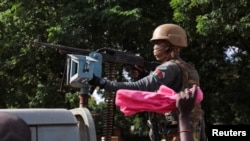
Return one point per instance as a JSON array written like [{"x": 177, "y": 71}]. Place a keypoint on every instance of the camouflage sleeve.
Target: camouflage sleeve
[{"x": 165, "y": 74}]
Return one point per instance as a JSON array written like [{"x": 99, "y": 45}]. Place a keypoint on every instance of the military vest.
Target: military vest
[{"x": 168, "y": 124}]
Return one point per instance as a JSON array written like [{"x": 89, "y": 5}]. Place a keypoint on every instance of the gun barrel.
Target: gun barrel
[
  {"x": 64, "y": 49},
  {"x": 108, "y": 55}
]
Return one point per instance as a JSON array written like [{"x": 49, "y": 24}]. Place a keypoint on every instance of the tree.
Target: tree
[
  {"x": 31, "y": 75},
  {"x": 214, "y": 27}
]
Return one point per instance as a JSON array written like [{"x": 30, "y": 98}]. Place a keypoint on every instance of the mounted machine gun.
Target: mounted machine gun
[{"x": 82, "y": 64}]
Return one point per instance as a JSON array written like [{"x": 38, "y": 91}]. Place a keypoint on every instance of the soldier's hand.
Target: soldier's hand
[
  {"x": 137, "y": 72},
  {"x": 185, "y": 100}
]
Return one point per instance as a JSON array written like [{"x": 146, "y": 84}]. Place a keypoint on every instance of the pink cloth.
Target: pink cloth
[{"x": 135, "y": 101}]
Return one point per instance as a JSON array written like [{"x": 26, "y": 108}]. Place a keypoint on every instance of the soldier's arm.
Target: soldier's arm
[{"x": 185, "y": 103}]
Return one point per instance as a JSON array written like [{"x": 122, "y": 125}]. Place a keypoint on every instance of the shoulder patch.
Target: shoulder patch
[{"x": 157, "y": 74}]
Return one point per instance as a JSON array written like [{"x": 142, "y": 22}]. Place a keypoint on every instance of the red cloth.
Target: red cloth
[{"x": 135, "y": 101}]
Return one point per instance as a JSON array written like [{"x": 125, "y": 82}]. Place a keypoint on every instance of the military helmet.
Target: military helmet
[{"x": 173, "y": 33}]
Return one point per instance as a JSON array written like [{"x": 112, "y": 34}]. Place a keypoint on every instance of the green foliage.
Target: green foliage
[
  {"x": 214, "y": 27},
  {"x": 30, "y": 75}
]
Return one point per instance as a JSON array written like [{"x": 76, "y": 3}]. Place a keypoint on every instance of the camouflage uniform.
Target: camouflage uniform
[
  {"x": 190, "y": 77},
  {"x": 170, "y": 74}
]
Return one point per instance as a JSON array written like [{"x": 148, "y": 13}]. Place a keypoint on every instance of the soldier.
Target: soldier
[{"x": 168, "y": 40}]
